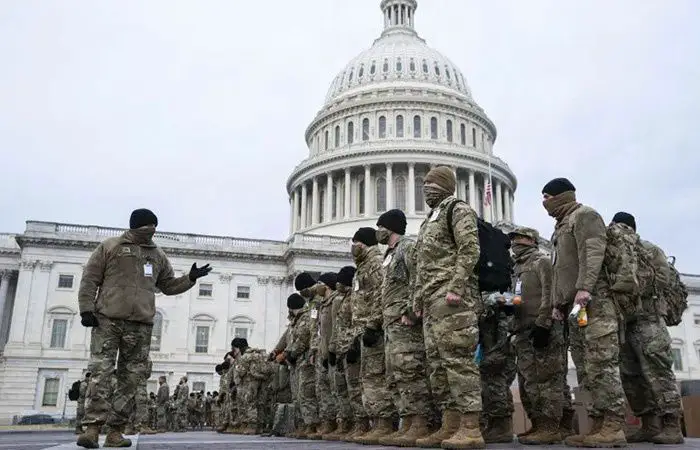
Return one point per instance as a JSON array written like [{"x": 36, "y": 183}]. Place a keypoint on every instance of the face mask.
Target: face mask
[
  {"x": 519, "y": 249},
  {"x": 356, "y": 251},
  {"x": 433, "y": 195},
  {"x": 307, "y": 293},
  {"x": 383, "y": 235},
  {"x": 144, "y": 234}
]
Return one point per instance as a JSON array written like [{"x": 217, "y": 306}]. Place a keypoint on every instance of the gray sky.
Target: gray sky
[{"x": 198, "y": 109}]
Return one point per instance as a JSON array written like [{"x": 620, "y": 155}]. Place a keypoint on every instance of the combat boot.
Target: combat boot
[
  {"x": 382, "y": 427},
  {"x": 248, "y": 430},
  {"x": 146, "y": 430},
  {"x": 78, "y": 430},
  {"x": 566, "y": 424},
  {"x": 221, "y": 429},
  {"x": 90, "y": 438},
  {"x": 468, "y": 434},
  {"x": 342, "y": 428},
  {"x": 576, "y": 440},
  {"x": 361, "y": 427},
  {"x": 311, "y": 432},
  {"x": 116, "y": 439},
  {"x": 499, "y": 431},
  {"x": 611, "y": 434},
  {"x": 531, "y": 430},
  {"x": 418, "y": 430},
  {"x": 327, "y": 427},
  {"x": 370, "y": 427},
  {"x": 405, "y": 425},
  {"x": 651, "y": 426},
  {"x": 546, "y": 434},
  {"x": 450, "y": 425},
  {"x": 671, "y": 432},
  {"x": 130, "y": 431}
]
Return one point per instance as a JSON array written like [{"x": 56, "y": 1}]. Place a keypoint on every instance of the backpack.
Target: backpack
[
  {"x": 495, "y": 266},
  {"x": 623, "y": 261},
  {"x": 675, "y": 297},
  {"x": 74, "y": 392}
]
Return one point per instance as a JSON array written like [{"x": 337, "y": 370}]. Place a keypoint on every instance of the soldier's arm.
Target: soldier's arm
[
  {"x": 301, "y": 340},
  {"x": 359, "y": 306},
  {"x": 544, "y": 313},
  {"x": 93, "y": 276},
  {"x": 282, "y": 343},
  {"x": 416, "y": 300},
  {"x": 374, "y": 295},
  {"x": 168, "y": 283},
  {"x": 466, "y": 236},
  {"x": 409, "y": 264},
  {"x": 590, "y": 233},
  {"x": 661, "y": 267}
]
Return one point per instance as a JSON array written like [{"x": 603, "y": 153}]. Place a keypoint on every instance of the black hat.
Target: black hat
[
  {"x": 218, "y": 368},
  {"x": 142, "y": 217},
  {"x": 346, "y": 275},
  {"x": 239, "y": 343},
  {"x": 394, "y": 220},
  {"x": 366, "y": 235},
  {"x": 329, "y": 279},
  {"x": 304, "y": 281},
  {"x": 295, "y": 301},
  {"x": 626, "y": 218},
  {"x": 558, "y": 186}
]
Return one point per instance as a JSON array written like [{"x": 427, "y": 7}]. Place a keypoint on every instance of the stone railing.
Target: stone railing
[
  {"x": 319, "y": 242},
  {"x": 7, "y": 240}
]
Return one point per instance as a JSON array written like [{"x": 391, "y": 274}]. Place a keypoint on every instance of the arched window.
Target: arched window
[
  {"x": 351, "y": 132},
  {"x": 412, "y": 65},
  {"x": 433, "y": 128},
  {"x": 382, "y": 127},
  {"x": 447, "y": 74},
  {"x": 352, "y": 72},
  {"x": 399, "y": 66},
  {"x": 381, "y": 194},
  {"x": 418, "y": 194},
  {"x": 361, "y": 196},
  {"x": 474, "y": 137},
  {"x": 400, "y": 193},
  {"x": 385, "y": 67},
  {"x": 57, "y": 327},
  {"x": 337, "y": 136},
  {"x": 399, "y": 126},
  {"x": 361, "y": 73},
  {"x": 241, "y": 327},
  {"x": 202, "y": 326},
  {"x": 463, "y": 134},
  {"x": 325, "y": 141},
  {"x": 157, "y": 333},
  {"x": 334, "y": 202},
  {"x": 416, "y": 127},
  {"x": 365, "y": 129},
  {"x": 437, "y": 69},
  {"x": 449, "y": 130},
  {"x": 321, "y": 203},
  {"x": 425, "y": 66},
  {"x": 373, "y": 69}
]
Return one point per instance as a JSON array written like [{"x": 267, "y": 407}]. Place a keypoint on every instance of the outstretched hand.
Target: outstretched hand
[{"x": 199, "y": 272}]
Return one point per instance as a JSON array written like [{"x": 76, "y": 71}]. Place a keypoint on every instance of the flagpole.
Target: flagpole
[{"x": 488, "y": 156}]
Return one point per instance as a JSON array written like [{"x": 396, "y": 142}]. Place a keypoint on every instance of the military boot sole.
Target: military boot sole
[
  {"x": 86, "y": 442},
  {"x": 499, "y": 440},
  {"x": 120, "y": 444},
  {"x": 669, "y": 441},
  {"x": 476, "y": 443}
]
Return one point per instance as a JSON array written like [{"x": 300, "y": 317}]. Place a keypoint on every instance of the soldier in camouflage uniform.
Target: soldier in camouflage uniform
[
  {"x": 139, "y": 415},
  {"x": 539, "y": 345},
  {"x": 223, "y": 417},
  {"x": 80, "y": 414},
  {"x": 252, "y": 370},
  {"x": 405, "y": 347},
  {"x": 646, "y": 364},
  {"x": 446, "y": 294},
  {"x": 117, "y": 299},
  {"x": 579, "y": 277},
  {"x": 162, "y": 405},
  {"x": 182, "y": 397}
]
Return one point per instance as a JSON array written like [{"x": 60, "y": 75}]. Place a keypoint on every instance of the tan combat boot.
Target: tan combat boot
[
  {"x": 651, "y": 426},
  {"x": 405, "y": 425},
  {"x": 499, "y": 431},
  {"x": 671, "y": 432},
  {"x": 359, "y": 438},
  {"x": 78, "y": 430},
  {"x": 576, "y": 440},
  {"x": 342, "y": 428},
  {"x": 221, "y": 429},
  {"x": 419, "y": 430},
  {"x": 248, "y": 430},
  {"x": 450, "y": 425},
  {"x": 383, "y": 427},
  {"x": 90, "y": 438},
  {"x": 312, "y": 432},
  {"x": 361, "y": 427},
  {"x": 116, "y": 439},
  {"x": 146, "y": 430},
  {"x": 546, "y": 434},
  {"x": 468, "y": 434},
  {"x": 325, "y": 428},
  {"x": 531, "y": 430},
  {"x": 611, "y": 434}
]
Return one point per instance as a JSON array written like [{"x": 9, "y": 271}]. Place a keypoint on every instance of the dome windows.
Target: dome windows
[
  {"x": 382, "y": 127},
  {"x": 381, "y": 194},
  {"x": 437, "y": 69},
  {"x": 385, "y": 67},
  {"x": 399, "y": 126},
  {"x": 433, "y": 128},
  {"x": 463, "y": 134},
  {"x": 449, "y": 130},
  {"x": 399, "y": 66},
  {"x": 400, "y": 193},
  {"x": 361, "y": 73},
  {"x": 351, "y": 132},
  {"x": 447, "y": 74},
  {"x": 412, "y": 65},
  {"x": 325, "y": 141},
  {"x": 337, "y": 136},
  {"x": 416, "y": 127},
  {"x": 352, "y": 72},
  {"x": 425, "y": 66},
  {"x": 373, "y": 68},
  {"x": 365, "y": 129}
]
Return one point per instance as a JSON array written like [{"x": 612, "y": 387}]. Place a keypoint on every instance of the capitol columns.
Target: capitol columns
[
  {"x": 411, "y": 197},
  {"x": 303, "y": 206},
  {"x": 5, "y": 277},
  {"x": 499, "y": 201},
  {"x": 295, "y": 215},
  {"x": 472, "y": 190},
  {"x": 389, "y": 187},
  {"x": 314, "y": 201},
  {"x": 487, "y": 208},
  {"x": 328, "y": 210},
  {"x": 346, "y": 193},
  {"x": 368, "y": 178}
]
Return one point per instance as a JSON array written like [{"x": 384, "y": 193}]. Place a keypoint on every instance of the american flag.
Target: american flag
[{"x": 487, "y": 195}]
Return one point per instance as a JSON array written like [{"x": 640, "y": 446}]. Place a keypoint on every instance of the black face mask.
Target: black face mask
[{"x": 434, "y": 195}]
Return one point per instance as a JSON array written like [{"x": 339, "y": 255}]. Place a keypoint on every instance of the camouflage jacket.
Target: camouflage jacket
[
  {"x": 183, "y": 394},
  {"x": 253, "y": 365},
  {"x": 223, "y": 385},
  {"x": 399, "y": 269},
  {"x": 282, "y": 342},
  {"x": 445, "y": 263},
  {"x": 313, "y": 306},
  {"x": 367, "y": 292},
  {"x": 163, "y": 395},
  {"x": 662, "y": 277},
  {"x": 532, "y": 280},
  {"x": 82, "y": 391},
  {"x": 620, "y": 262},
  {"x": 299, "y": 338},
  {"x": 342, "y": 335},
  {"x": 324, "y": 324}
]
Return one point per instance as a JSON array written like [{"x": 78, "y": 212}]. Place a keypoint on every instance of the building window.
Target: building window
[
  {"x": 447, "y": 74},
  {"x": 399, "y": 126},
  {"x": 463, "y": 134},
  {"x": 381, "y": 194},
  {"x": 65, "y": 281},
  {"x": 243, "y": 292},
  {"x": 201, "y": 343},
  {"x": 474, "y": 137},
  {"x": 352, "y": 72},
  {"x": 696, "y": 319},
  {"x": 400, "y": 193},
  {"x": 58, "y": 333},
  {"x": 412, "y": 65},
  {"x": 199, "y": 386},
  {"x": 382, "y": 127},
  {"x": 361, "y": 73},
  {"x": 157, "y": 332},
  {"x": 433, "y": 128},
  {"x": 425, "y": 66},
  {"x": 373, "y": 69},
  {"x": 399, "y": 66},
  {"x": 325, "y": 140},
  {"x": 240, "y": 332},
  {"x": 351, "y": 132},
  {"x": 416, "y": 127},
  {"x": 385, "y": 67},
  {"x": 50, "y": 397},
  {"x": 418, "y": 194},
  {"x": 365, "y": 129},
  {"x": 337, "y": 136},
  {"x": 241, "y": 327},
  {"x": 449, "y": 131},
  {"x": 361, "y": 196},
  {"x": 677, "y": 359},
  {"x": 206, "y": 290},
  {"x": 437, "y": 69}
]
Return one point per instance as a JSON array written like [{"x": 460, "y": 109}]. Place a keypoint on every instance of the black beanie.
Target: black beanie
[
  {"x": 346, "y": 275},
  {"x": 394, "y": 220},
  {"x": 295, "y": 301},
  {"x": 142, "y": 217},
  {"x": 626, "y": 218},
  {"x": 304, "y": 281},
  {"x": 218, "y": 368},
  {"x": 366, "y": 235},
  {"x": 239, "y": 343},
  {"x": 558, "y": 186},
  {"x": 329, "y": 279}
]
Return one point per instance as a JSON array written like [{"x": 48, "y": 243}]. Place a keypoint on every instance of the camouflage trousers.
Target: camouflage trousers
[
  {"x": 267, "y": 405},
  {"x": 405, "y": 370},
  {"x": 595, "y": 349},
  {"x": 327, "y": 409},
  {"x": 646, "y": 367},
  {"x": 544, "y": 391},
  {"x": 305, "y": 378},
  {"x": 339, "y": 389},
  {"x": 162, "y": 417},
  {"x": 497, "y": 367},
  {"x": 451, "y": 336},
  {"x": 353, "y": 384},
  {"x": 139, "y": 415},
  {"x": 247, "y": 401},
  {"x": 182, "y": 418},
  {"x": 376, "y": 395},
  {"x": 80, "y": 413},
  {"x": 131, "y": 340}
]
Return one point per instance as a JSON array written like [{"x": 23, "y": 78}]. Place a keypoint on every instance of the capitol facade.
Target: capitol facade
[{"x": 392, "y": 113}]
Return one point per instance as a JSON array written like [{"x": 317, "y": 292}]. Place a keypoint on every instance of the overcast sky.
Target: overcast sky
[{"x": 197, "y": 109}]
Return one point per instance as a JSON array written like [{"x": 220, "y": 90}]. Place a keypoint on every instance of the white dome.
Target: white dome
[{"x": 398, "y": 57}]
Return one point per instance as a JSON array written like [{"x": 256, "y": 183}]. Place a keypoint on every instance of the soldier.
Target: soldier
[
  {"x": 282, "y": 399},
  {"x": 117, "y": 299},
  {"x": 539, "y": 345},
  {"x": 646, "y": 364},
  {"x": 367, "y": 322},
  {"x": 405, "y": 349},
  {"x": 214, "y": 421},
  {"x": 224, "y": 412},
  {"x": 182, "y": 396},
  {"x": 191, "y": 406},
  {"x": 152, "y": 417},
  {"x": 139, "y": 415},
  {"x": 162, "y": 404},
  {"x": 81, "y": 404},
  {"x": 253, "y": 369},
  {"x": 579, "y": 278},
  {"x": 446, "y": 295}
]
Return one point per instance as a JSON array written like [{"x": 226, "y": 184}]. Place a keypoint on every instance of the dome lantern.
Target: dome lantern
[{"x": 398, "y": 15}]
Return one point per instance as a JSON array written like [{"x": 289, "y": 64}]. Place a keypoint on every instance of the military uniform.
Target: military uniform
[
  {"x": 304, "y": 373},
  {"x": 321, "y": 333},
  {"x": 182, "y": 397},
  {"x": 252, "y": 370},
  {"x": 339, "y": 387},
  {"x": 162, "y": 406},
  {"x": 80, "y": 413}
]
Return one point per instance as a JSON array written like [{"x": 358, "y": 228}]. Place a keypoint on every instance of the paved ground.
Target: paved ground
[{"x": 214, "y": 441}]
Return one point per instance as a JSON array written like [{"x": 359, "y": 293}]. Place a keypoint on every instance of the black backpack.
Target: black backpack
[
  {"x": 495, "y": 266},
  {"x": 74, "y": 392}
]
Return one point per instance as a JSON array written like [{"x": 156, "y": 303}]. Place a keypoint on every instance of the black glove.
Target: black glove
[
  {"x": 508, "y": 309},
  {"x": 371, "y": 337},
  {"x": 291, "y": 357},
  {"x": 226, "y": 364},
  {"x": 352, "y": 356},
  {"x": 88, "y": 319},
  {"x": 200, "y": 272},
  {"x": 540, "y": 337},
  {"x": 332, "y": 359},
  {"x": 324, "y": 363}
]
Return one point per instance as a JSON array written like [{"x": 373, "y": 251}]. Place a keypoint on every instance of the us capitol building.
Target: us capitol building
[{"x": 394, "y": 111}]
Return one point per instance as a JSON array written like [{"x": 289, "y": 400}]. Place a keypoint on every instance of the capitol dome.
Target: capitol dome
[{"x": 394, "y": 111}]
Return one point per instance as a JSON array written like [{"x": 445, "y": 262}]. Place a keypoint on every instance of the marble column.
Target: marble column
[
  {"x": 295, "y": 218},
  {"x": 368, "y": 176},
  {"x": 411, "y": 186},
  {"x": 303, "y": 206},
  {"x": 314, "y": 201},
  {"x": 37, "y": 304},
  {"x": 506, "y": 204},
  {"x": 18, "y": 321},
  {"x": 499, "y": 201},
  {"x": 472, "y": 190},
  {"x": 328, "y": 210},
  {"x": 511, "y": 200},
  {"x": 389, "y": 187},
  {"x": 4, "y": 288},
  {"x": 454, "y": 172},
  {"x": 487, "y": 208},
  {"x": 346, "y": 192}
]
